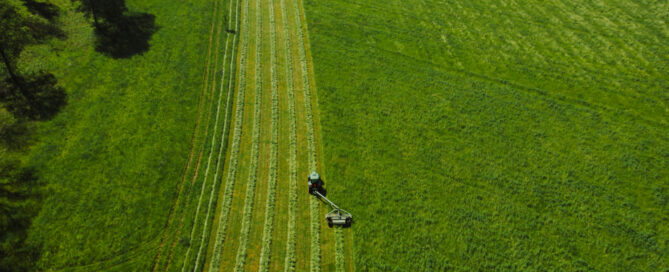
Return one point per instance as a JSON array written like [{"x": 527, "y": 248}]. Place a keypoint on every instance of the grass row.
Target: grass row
[
  {"x": 221, "y": 152},
  {"x": 292, "y": 198},
  {"x": 339, "y": 249},
  {"x": 274, "y": 142},
  {"x": 214, "y": 142},
  {"x": 234, "y": 154},
  {"x": 311, "y": 145},
  {"x": 202, "y": 143},
  {"x": 253, "y": 165}
]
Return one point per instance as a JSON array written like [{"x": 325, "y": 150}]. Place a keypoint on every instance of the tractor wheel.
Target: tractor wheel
[{"x": 330, "y": 224}]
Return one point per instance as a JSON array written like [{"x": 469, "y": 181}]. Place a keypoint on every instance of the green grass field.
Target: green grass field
[
  {"x": 462, "y": 135},
  {"x": 139, "y": 164},
  {"x": 479, "y": 135},
  {"x": 114, "y": 156}
]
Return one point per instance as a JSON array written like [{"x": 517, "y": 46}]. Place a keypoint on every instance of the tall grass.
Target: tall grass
[{"x": 514, "y": 136}]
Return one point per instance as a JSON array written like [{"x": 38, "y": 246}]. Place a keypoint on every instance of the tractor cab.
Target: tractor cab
[{"x": 316, "y": 184}]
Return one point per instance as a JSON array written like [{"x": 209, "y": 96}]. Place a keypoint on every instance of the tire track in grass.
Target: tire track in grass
[
  {"x": 253, "y": 165},
  {"x": 291, "y": 235},
  {"x": 234, "y": 154},
  {"x": 273, "y": 161},
  {"x": 211, "y": 152},
  {"x": 315, "y": 263}
]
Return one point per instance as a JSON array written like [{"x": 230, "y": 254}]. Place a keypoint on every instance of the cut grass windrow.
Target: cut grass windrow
[
  {"x": 208, "y": 165},
  {"x": 339, "y": 249},
  {"x": 255, "y": 142},
  {"x": 292, "y": 195},
  {"x": 274, "y": 152},
  {"x": 311, "y": 145},
  {"x": 234, "y": 154},
  {"x": 221, "y": 151},
  {"x": 224, "y": 134}
]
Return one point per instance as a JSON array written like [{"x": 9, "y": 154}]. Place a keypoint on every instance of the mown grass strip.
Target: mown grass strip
[
  {"x": 211, "y": 150},
  {"x": 306, "y": 90},
  {"x": 222, "y": 147},
  {"x": 274, "y": 152},
  {"x": 179, "y": 228},
  {"x": 339, "y": 250},
  {"x": 234, "y": 154},
  {"x": 255, "y": 143},
  {"x": 311, "y": 145},
  {"x": 291, "y": 235}
]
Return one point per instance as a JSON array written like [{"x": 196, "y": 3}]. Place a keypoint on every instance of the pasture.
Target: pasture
[{"x": 487, "y": 135}]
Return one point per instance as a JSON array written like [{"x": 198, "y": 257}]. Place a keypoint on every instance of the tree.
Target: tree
[
  {"x": 14, "y": 36},
  {"x": 36, "y": 95},
  {"x": 44, "y": 100},
  {"x": 31, "y": 96}
]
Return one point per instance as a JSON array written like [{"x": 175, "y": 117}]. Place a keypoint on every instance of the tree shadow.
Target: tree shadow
[
  {"x": 47, "y": 10},
  {"x": 15, "y": 134},
  {"x": 36, "y": 97},
  {"x": 22, "y": 201},
  {"x": 126, "y": 36}
]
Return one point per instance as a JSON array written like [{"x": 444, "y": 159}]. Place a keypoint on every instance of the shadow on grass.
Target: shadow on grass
[
  {"x": 20, "y": 192},
  {"x": 127, "y": 36},
  {"x": 36, "y": 97},
  {"x": 47, "y": 10}
]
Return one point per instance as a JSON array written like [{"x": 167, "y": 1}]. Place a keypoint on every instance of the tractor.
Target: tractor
[{"x": 336, "y": 217}]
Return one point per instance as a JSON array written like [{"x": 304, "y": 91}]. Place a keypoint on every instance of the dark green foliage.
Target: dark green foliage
[
  {"x": 32, "y": 96},
  {"x": 44, "y": 9},
  {"x": 488, "y": 135},
  {"x": 44, "y": 101},
  {"x": 19, "y": 203},
  {"x": 20, "y": 28},
  {"x": 14, "y": 134},
  {"x": 14, "y": 34}
]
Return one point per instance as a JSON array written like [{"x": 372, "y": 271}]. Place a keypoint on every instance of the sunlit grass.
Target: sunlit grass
[{"x": 479, "y": 135}]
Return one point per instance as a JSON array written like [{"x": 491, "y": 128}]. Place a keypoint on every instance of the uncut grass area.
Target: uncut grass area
[
  {"x": 113, "y": 158},
  {"x": 479, "y": 135}
]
